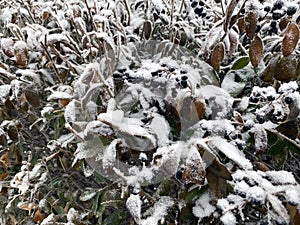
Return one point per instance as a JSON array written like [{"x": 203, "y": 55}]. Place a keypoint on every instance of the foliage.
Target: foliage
[{"x": 148, "y": 112}]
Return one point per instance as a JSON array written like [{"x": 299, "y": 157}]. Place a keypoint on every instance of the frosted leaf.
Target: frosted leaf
[
  {"x": 223, "y": 204},
  {"x": 281, "y": 177},
  {"x": 99, "y": 128},
  {"x": 72, "y": 215},
  {"x": 260, "y": 138},
  {"x": 57, "y": 37},
  {"x": 4, "y": 92},
  {"x": 158, "y": 211},
  {"x": 87, "y": 195},
  {"x": 286, "y": 87},
  {"x": 161, "y": 128},
  {"x": 256, "y": 194},
  {"x": 49, "y": 220},
  {"x": 110, "y": 155},
  {"x": 47, "y": 110},
  {"x": 202, "y": 207},
  {"x": 6, "y": 15},
  {"x": 134, "y": 206},
  {"x": 70, "y": 112},
  {"x": 228, "y": 218},
  {"x": 279, "y": 208},
  {"x": 59, "y": 95},
  {"x": 293, "y": 195},
  {"x": 241, "y": 188},
  {"x": 230, "y": 151}
]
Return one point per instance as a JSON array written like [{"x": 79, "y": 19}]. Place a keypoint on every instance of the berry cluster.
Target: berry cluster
[
  {"x": 199, "y": 8},
  {"x": 278, "y": 10}
]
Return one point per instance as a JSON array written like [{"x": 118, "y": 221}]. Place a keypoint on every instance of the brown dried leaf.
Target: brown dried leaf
[
  {"x": 200, "y": 106},
  {"x": 217, "y": 56},
  {"x": 284, "y": 22},
  {"x": 7, "y": 47},
  {"x": 269, "y": 72},
  {"x": 241, "y": 24},
  {"x": 290, "y": 39},
  {"x": 147, "y": 29},
  {"x": 32, "y": 98},
  {"x": 229, "y": 10},
  {"x": 21, "y": 53},
  {"x": 294, "y": 214},
  {"x": 194, "y": 171},
  {"x": 38, "y": 216},
  {"x": 250, "y": 23},
  {"x": 256, "y": 50},
  {"x": 286, "y": 68}
]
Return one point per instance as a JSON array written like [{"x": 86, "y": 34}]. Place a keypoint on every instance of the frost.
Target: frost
[
  {"x": 202, "y": 207},
  {"x": 256, "y": 194},
  {"x": 230, "y": 151},
  {"x": 134, "y": 206},
  {"x": 281, "y": 177},
  {"x": 241, "y": 188},
  {"x": 293, "y": 196},
  {"x": 109, "y": 155},
  {"x": 59, "y": 95},
  {"x": 158, "y": 211},
  {"x": 286, "y": 87},
  {"x": 161, "y": 128},
  {"x": 4, "y": 92},
  {"x": 228, "y": 218}
]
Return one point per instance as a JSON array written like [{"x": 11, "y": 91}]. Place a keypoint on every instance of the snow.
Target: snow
[
  {"x": 293, "y": 196},
  {"x": 4, "y": 92},
  {"x": 161, "y": 128},
  {"x": 202, "y": 207},
  {"x": 134, "y": 206},
  {"x": 228, "y": 218},
  {"x": 281, "y": 177},
  {"x": 286, "y": 87},
  {"x": 110, "y": 155},
  {"x": 159, "y": 210},
  {"x": 241, "y": 188},
  {"x": 256, "y": 194},
  {"x": 59, "y": 95},
  {"x": 230, "y": 151}
]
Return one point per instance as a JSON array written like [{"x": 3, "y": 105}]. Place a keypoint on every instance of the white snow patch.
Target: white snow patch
[
  {"x": 281, "y": 177},
  {"x": 202, "y": 207},
  {"x": 228, "y": 218},
  {"x": 134, "y": 205},
  {"x": 256, "y": 194}
]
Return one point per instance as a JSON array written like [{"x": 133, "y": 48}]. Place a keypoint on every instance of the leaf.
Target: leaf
[
  {"x": 256, "y": 50},
  {"x": 7, "y": 46},
  {"x": 290, "y": 39},
  {"x": 293, "y": 148},
  {"x": 269, "y": 72},
  {"x": 289, "y": 129},
  {"x": 277, "y": 148},
  {"x": 147, "y": 29},
  {"x": 286, "y": 68},
  {"x": 134, "y": 206},
  {"x": 217, "y": 56},
  {"x": 21, "y": 53},
  {"x": 250, "y": 23},
  {"x": 279, "y": 208},
  {"x": 33, "y": 98},
  {"x": 294, "y": 214},
  {"x": 229, "y": 11},
  {"x": 194, "y": 171},
  {"x": 280, "y": 158},
  {"x": 240, "y": 63}
]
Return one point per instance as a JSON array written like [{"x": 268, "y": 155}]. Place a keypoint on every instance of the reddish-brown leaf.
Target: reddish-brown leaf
[
  {"x": 147, "y": 29},
  {"x": 21, "y": 53},
  {"x": 229, "y": 10},
  {"x": 290, "y": 39},
  {"x": 250, "y": 23},
  {"x": 217, "y": 56},
  {"x": 256, "y": 50}
]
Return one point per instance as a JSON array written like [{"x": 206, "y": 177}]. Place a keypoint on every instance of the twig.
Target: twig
[
  {"x": 279, "y": 134},
  {"x": 52, "y": 63}
]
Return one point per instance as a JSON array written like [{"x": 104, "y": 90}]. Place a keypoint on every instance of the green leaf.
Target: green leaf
[
  {"x": 277, "y": 148},
  {"x": 293, "y": 148},
  {"x": 272, "y": 138},
  {"x": 240, "y": 63},
  {"x": 115, "y": 218},
  {"x": 280, "y": 158}
]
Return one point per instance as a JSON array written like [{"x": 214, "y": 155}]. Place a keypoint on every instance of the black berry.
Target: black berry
[
  {"x": 198, "y": 11},
  {"x": 154, "y": 74},
  {"x": 122, "y": 70},
  {"x": 260, "y": 119},
  {"x": 276, "y": 15},
  {"x": 183, "y": 71},
  {"x": 288, "y": 100},
  {"x": 270, "y": 97},
  {"x": 278, "y": 4},
  {"x": 253, "y": 99},
  {"x": 267, "y": 8},
  {"x": 194, "y": 4},
  {"x": 184, "y": 77},
  {"x": 184, "y": 83},
  {"x": 273, "y": 24},
  {"x": 117, "y": 75},
  {"x": 291, "y": 10},
  {"x": 171, "y": 69}
]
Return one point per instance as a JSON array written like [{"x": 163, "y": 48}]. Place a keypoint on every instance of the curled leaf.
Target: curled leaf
[
  {"x": 290, "y": 39},
  {"x": 256, "y": 50},
  {"x": 217, "y": 56},
  {"x": 229, "y": 10}
]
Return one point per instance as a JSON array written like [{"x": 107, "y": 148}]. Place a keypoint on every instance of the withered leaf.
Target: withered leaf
[
  {"x": 269, "y": 72},
  {"x": 294, "y": 214},
  {"x": 21, "y": 53},
  {"x": 286, "y": 68},
  {"x": 32, "y": 98},
  {"x": 290, "y": 39},
  {"x": 229, "y": 10},
  {"x": 7, "y": 46},
  {"x": 194, "y": 171},
  {"x": 200, "y": 106},
  {"x": 147, "y": 29},
  {"x": 250, "y": 23},
  {"x": 217, "y": 56},
  {"x": 284, "y": 22},
  {"x": 256, "y": 50},
  {"x": 38, "y": 216},
  {"x": 241, "y": 24}
]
